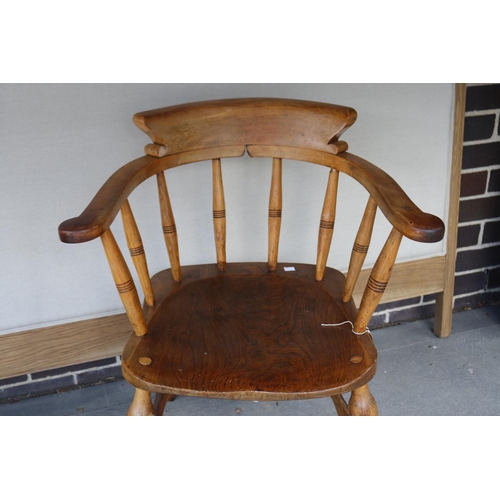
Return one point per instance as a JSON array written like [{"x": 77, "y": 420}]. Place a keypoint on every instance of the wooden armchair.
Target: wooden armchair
[{"x": 254, "y": 331}]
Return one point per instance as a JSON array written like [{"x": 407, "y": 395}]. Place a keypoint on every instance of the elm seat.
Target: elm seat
[
  {"x": 258, "y": 331},
  {"x": 247, "y": 333}
]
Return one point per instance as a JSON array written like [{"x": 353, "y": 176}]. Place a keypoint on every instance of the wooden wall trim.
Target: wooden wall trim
[
  {"x": 444, "y": 303},
  {"x": 408, "y": 279},
  {"x": 89, "y": 340},
  {"x": 68, "y": 344}
]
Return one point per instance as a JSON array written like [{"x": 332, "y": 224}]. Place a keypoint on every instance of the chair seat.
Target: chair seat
[{"x": 247, "y": 333}]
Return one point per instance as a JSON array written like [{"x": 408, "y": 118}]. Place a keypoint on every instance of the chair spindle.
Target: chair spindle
[
  {"x": 327, "y": 223},
  {"x": 124, "y": 283},
  {"x": 219, "y": 209},
  {"x": 137, "y": 253},
  {"x": 378, "y": 280},
  {"x": 360, "y": 248},
  {"x": 275, "y": 206},
  {"x": 169, "y": 229}
]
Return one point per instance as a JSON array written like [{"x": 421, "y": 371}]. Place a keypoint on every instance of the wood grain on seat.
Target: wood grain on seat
[{"x": 250, "y": 334}]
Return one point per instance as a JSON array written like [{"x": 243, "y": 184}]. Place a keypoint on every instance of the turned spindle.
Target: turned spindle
[
  {"x": 360, "y": 248},
  {"x": 124, "y": 283},
  {"x": 219, "y": 214},
  {"x": 137, "y": 253},
  {"x": 275, "y": 207},
  {"x": 168, "y": 226},
  {"x": 378, "y": 280},
  {"x": 327, "y": 223}
]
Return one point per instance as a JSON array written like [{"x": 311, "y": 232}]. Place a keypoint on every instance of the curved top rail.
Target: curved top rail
[{"x": 226, "y": 122}]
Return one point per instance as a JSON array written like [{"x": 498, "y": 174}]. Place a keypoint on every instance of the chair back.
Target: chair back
[{"x": 279, "y": 129}]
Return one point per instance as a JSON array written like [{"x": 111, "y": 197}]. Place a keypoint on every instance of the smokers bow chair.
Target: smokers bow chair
[{"x": 252, "y": 330}]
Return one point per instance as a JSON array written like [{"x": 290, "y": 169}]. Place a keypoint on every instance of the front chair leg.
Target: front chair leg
[
  {"x": 141, "y": 405},
  {"x": 362, "y": 403}
]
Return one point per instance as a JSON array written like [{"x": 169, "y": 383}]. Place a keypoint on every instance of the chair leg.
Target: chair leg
[
  {"x": 340, "y": 405},
  {"x": 362, "y": 403},
  {"x": 160, "y": 402},
  {"x": 141, "y": 405}
]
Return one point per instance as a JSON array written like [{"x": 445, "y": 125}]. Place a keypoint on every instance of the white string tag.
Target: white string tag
[{"x": 352, "y": 327}]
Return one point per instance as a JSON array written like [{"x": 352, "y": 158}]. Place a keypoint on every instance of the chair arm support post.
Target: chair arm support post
[
  {"x": 378, "y": 280},
  {"x": 134, "y": 242},
  {"x": 360, "y": 248},
  {"x": 124, "y": 283}
]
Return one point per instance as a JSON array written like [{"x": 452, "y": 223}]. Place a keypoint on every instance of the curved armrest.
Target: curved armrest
[
  {"x": 400, "y": 211},
  {"x": 106, "y": 204}
]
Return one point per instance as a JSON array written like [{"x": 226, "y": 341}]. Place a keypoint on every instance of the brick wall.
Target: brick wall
[
  {"x": 60, "y": 379},
  {"x": 477, "y": 275},
  {"x": 477, "y": 279}
]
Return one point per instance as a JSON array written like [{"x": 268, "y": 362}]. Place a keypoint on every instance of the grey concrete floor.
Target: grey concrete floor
[{"x": 418, "y": 374}]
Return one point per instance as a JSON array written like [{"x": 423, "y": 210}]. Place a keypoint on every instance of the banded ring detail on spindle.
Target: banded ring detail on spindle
[
  {"x": 360, "y": 248},
  {"x": 135, "y": 252},
  {"x": 376, "y": 286},
  {"x": 169, "y": 229},
  {"x": 324, "y": 224},
  {"x": 128, "y": 286}
]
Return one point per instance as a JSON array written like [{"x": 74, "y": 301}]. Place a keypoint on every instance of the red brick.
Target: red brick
[
  {"x": 479, "y": 127},
  {"x": 473, "y": 184},
  {"x": 468, "y": 235},
  {"x": 468, "y": 260},
  {"x": 483, "y": 97},
  {"x": 479, "y": 209},
  {"x": 494, "y": 184}
]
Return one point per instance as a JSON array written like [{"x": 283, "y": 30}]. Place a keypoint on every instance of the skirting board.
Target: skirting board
[{"x": 89, "y": 340}]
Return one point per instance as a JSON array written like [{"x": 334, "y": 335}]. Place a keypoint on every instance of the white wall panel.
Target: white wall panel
[{"x": 59, "y": 143}]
